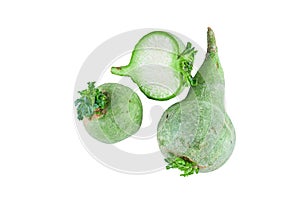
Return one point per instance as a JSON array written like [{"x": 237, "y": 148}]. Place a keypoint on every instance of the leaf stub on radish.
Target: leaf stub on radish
[
  {"x": 92, "y": 102},
  {"x": 121, "y": 117}
]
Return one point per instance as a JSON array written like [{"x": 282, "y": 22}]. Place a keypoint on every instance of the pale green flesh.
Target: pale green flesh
[
  {"x": 153, "y": 66},
  {"x": 198, "y": 128},
  {"x": 122, "y": 119}
]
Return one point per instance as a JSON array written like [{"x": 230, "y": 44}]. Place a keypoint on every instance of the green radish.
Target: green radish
[
  {"x": 160, "y": 65},
  {"x": 110, "y": 112},
  {"x": 196, "y": 134}
]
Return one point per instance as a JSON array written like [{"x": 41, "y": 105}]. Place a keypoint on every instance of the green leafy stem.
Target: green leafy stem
[
  {"x": 186, "y": 61},
  {"x": 183, "y": 164},
  {"x": 92, "y": 102}
]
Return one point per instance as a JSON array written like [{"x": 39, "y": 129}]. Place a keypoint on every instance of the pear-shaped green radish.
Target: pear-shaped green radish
[
  {"x": 160, "y": 65},
  {"x": 196, "y": 134},
  {"x": 110, "y": 112}
]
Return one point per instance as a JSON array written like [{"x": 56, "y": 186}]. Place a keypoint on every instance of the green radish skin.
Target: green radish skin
[
  {"x": 156, "y": 65},
  {"x": 198, "y": 130},
  {"x": 122, "y": 118}
]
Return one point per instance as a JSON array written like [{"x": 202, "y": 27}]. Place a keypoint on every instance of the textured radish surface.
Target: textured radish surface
[
  {"x": 198, "y": 129},
  {"x": 123, "y": 115},
  {"x": 205, "y": 136}
]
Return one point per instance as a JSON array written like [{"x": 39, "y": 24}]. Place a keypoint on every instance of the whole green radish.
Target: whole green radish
[
  {"x": 160, "y": 65},
  {"x": 110, "y": 112},
  {"x": 196, "y": 134}
]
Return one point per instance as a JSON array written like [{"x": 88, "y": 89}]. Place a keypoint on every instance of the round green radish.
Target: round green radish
[
  {"x": 110, "y": 112},
  {"x": 160, "y": 65},
  {"x": 196, "y": 134}
]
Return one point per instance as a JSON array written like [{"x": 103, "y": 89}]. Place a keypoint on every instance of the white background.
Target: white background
[{"x": 43, "y": 45}]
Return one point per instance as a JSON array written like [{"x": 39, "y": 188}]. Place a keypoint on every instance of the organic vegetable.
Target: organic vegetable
[
  {"x": 110, "y": 112},
  {"x": 196, "y": 134},
  {"x": 160, "y": 65}
]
